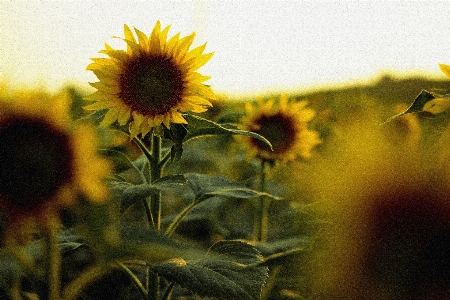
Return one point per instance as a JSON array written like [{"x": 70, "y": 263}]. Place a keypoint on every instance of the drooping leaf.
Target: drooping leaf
[
  {"x": 278, "y": 252},
  {"x": 425, "y": 101},
  {"x": 198, "y": 126},
  {"x": 222, "y": 273},
  {"x": 206, "y": 186},
  {"x": 129, "y": 193}
]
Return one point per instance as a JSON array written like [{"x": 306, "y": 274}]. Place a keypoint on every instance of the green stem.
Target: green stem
[
  {"x": 73, "y": 290},
  {"x": 155, "y": 174},
  {"x": 155, "y": 209},
  {"x": 164, "y": 160},
  {"x": 153, "y": 286},
  {"x": 262, "y": 219},
  {"x": 54, "y": 261},
  {"x": 147, "y": 201},
  {"x": 143, "y": 148},
  {"x": 171, "y": 229},
  {"x": 135, "y": 280},
  {"x": 270, "y": 283},
  {"x": 168, "y": 292}
]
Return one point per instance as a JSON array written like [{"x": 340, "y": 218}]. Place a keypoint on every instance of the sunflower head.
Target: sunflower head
[
  {"x": 152, "y": 82},
  {"x": 284, "y": 124},
  {"x": 45, "y": 161}
]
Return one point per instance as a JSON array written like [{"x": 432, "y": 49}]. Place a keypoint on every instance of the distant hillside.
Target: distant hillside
[{"x": 388, "y": 89}]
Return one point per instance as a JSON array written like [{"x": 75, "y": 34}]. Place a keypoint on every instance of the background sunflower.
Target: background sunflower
[
  {"x": 45, "y": 161},
  {"x": 284, "y": 124}
]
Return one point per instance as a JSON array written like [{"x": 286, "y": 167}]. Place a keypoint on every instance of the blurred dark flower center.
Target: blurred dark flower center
[
  {"x": 151, "y": 85},
  {"x": 36, "y": 160},
  {"x": 279, "y": 129},
  {"x": 410, "y": 240}
]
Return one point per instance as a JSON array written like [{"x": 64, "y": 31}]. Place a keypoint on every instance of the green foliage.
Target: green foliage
[
  {"x": 225, "y": 272},
  {"x": 198, "y": 127},
  {"x": 207, "y": 186},
  {"x": 188, "y": 233}
]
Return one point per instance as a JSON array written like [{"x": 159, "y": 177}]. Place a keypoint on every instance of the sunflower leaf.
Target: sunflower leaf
[
  {"x": 223, "y": 273},
  {"x": 207, "y": 186},
  {"x": 176, "y": 134},
  {"x": 426, "y": 102},
  {"x": 280, "y": 251},
  {"x": 198, "y": 126},
  {"x": 129, "y": 193}
]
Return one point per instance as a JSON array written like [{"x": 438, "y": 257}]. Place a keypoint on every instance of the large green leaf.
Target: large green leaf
[
  {"x": 129, "y": 193},
  {"x": 222, "y": 273},
  {"x": 207, "y": 186}
]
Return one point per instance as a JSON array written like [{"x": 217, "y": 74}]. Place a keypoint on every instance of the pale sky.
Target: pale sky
[{"x": 260, "y": 46}]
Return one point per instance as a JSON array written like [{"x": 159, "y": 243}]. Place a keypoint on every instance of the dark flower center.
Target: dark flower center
[
  {"x": 410, "y": 241},
  {"x": 151, "y": 85},
  {"x": 36, "y": 160},
  {"x": 279, "y": 129}
]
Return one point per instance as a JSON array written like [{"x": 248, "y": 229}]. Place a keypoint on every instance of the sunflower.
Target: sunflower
[
  {"x": 445, "y": 68},
  {"x": 152, "y": 82},
  {"x": 405, "y": 130},
  {"x": 45, "y": 162},
  {"x": 388, "y": 231},
  {"x": 285, "y": 125}
]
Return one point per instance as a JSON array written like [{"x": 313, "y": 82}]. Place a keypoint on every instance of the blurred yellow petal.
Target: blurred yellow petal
[{"x": 445, "y": 69}]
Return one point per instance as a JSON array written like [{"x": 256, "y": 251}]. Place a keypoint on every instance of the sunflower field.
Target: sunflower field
[{"x": 153, "y": 186}]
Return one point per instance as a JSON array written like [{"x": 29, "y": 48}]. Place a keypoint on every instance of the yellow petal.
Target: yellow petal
[
  {"x": 124, "y": 115},
  {"x": 120, "y": 55},
  {"x": 166, "y": 120},
  {"x": 177, "y": 118},
  {"x": 97, "y": 106},
  {"x": 133, "y": 48},
  {"x": 110, "y": 117},
  {"x": 200, "y": 90},
  {"x": 145, "y": 128},
  {"x": 142, "y": 38},
  {"x": 197, "y": 100},
  {"x": 157, "y": 120},
  {"x": 128, "y": 34},
  {"x": 155, "y": 44},
  {"x": 93, "y": 66},
  {"x": 196, "y": 77},
  {"x": 201, "y": 60},
  {"x": 163, "y": 37},
  {"x": 172, "y": 42},
  {"x": 183, "y": 46},
  {"x": 196, "y": 51}
]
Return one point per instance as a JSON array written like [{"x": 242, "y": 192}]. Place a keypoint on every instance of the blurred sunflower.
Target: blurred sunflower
[
  {"x": 405, "y": 130},
  {"x": 152, "y": 82},
  {"x": 285, "y": 125},
  {"x": 388, "y": 232},
  {"x": 445, "y": 68},
  {"x": 45, "y": 162}
]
